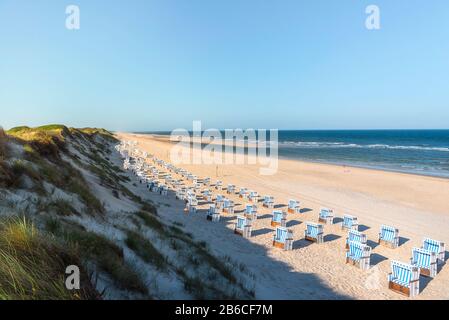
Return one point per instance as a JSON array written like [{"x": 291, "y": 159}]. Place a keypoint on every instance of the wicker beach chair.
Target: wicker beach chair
[
  {"x": 243, "y": 226},
  {"x": 326, "y": 216},
  {"x": 355, "y": 236},
  {"x": 435, "y": 246},
  {"x": 268, "y": 202},
  {"x": 283, "y": 238},
  {"x": 279, "y": 218},
  {"x": 389, "y": 236},
  {"x": 404, "y": 279},
  {"x": 349, "y": 223},
  {"x": 426, "y": 261},
  {"x": 314, "y": 232},
  {"x": 358, "y": 254},
  {"x": 293, "y": 206}
]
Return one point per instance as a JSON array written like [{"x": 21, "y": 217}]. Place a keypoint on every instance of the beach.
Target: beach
[{"x": 416, "y": 205}]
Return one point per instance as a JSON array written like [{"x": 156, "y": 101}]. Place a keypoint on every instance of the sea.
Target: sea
[{"x": 424, "y": 152}]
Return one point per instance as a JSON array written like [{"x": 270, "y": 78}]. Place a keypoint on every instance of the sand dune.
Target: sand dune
[{"x": 417, "y": 205}]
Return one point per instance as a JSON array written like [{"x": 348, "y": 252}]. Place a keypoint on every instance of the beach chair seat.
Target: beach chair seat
[
  {"x": 426, "y": 261},
  {"x": 228, "y": 206},
  {"x": 243, "y": 226},
  {"x": 404, "y": 279},
  {"x": 213, "y": 214},
  {"x": 349, "y": 223},
  {"x": 389, "y": 236},
  {"x": 326, "y": 216},
  {"x": 268, "y": 202},
  {"x": 279, "y": 219},
  {"x": 314, "y": 232},
  {"x": 355, "y": 236},
  {"x": 359, "y": 255},
  {"x": 435, "y": 246},
  {"x": 283, "y": 238},
  {"x": 293, "y": 206}
]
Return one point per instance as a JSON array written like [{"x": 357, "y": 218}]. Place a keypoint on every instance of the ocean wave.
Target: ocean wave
[{"x": 312, "y": 144}]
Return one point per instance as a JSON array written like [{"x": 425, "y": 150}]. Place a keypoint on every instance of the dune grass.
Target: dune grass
[
  {"x": 32, "y": 265},
  {"x": 145, "y": 250}
]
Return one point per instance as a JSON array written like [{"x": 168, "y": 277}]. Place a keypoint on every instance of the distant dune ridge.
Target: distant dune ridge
[{"x": 65, "y": 200}]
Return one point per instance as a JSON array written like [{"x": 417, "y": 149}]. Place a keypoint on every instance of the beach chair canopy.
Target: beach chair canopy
[
  {"x": 388, "y": 233},
  {"x": 325, "y": 213},
  {"x": 402, "y": 273},
  {"x": 281, "y": 234},
  {"x": 423, "y": 258},
  {"x": 241, "y": 221},
  {"x": 356, "y": 236},
  {"x": 349, "y": 221},
  {"x": 357, "y": 250},
  {"x": 432, "y": 245},
  {"x": 313, "y": 229},
  {"x": 277, "y": 215},
  {"x": 292, "y": 204}
]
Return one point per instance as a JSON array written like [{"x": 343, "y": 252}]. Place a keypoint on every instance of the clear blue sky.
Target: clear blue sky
[{"x": 157, "y": 65}]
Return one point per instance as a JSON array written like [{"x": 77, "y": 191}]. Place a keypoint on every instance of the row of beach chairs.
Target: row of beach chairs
[{"x": 404, "y": 277}]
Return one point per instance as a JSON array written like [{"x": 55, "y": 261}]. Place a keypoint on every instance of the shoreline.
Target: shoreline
[{"x": 162, "y": 137}]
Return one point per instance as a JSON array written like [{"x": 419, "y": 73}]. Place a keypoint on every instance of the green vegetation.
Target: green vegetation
[
  {"x": 145, "y": 250},
  {"x": 33, "y": 265}
]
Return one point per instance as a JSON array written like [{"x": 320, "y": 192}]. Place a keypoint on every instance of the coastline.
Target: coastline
[{"x": 415, "y": 204}]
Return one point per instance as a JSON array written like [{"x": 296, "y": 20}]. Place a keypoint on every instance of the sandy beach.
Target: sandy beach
[{"x": 416, "y": 205}]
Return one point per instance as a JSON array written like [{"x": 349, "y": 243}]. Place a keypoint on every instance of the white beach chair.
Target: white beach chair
[
  {"x": 435, "y": 246},
  {"x": 253, "y": 197},
  {"x": 268, "y": 202},
  {"x": 314, "y": 232},
  {"x": 213, "y": 214},
  {"x": 349, "y": 223},
  {"x": 283, "y": 238},
  {"x": 251, "y": 211},
  {"x": 326, "y": 216},
  {"x": 230, "y": 189},
  {"x": 355, "y": 236},
  {"x": 358, "y": 254},
  {"x": 293, "y": 206},
  {"x": 243, "y": 226},
  {"x": 243, "y": 193},
  {"x": 404, "y": 279},
  {"x": 219, "y": 185},
  {"x": 228, "y": 206},
  {"x": 389, "y": 236},
  {"x": 279, "y": 218},
  {"x": 426, "y": 261}
]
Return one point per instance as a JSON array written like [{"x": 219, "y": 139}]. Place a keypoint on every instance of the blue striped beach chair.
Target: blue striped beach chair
[
  {"x": 314, "y": 232},
  {"x": 213, "y": 214},
  {"x": 251, "y": 211},
  {"x": 326, "y": 216},
  {"x": 228, "y": 206},
  {"x": 230, "y": 189},
  {"x": 219, "y": 185},
  {"x": 350, "y": 223},
  {"x": 206, "y": 181},
  {"x": 243, "y": 193},
  {"x": 279, "y": 218},
  {"x": 192, "y": 204},
  {"x": 389, "y": 236},
  {"x": 268, "y": 202},
  {"x": 207, "y": 195},
  {"x": 435, "y": 246},
  {"x": 293, "y": 206},
  {"x": 219, "y": 201},
  {"x": 253, "y": 197},
  {"x": 243, "y": 226},
  {"x": 404, "y": 279},
  {"x": 283, "y": 238},
  {"x": 426, "y": 261},
  {"x": 355, "y": 236},
  {"x": 358, "y": 254}
]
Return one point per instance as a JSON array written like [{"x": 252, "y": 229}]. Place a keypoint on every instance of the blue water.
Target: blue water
[{"x": 411, "y": 151}]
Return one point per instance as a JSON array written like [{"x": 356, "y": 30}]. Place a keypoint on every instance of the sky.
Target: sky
[{"x": 146, "y": 65}]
